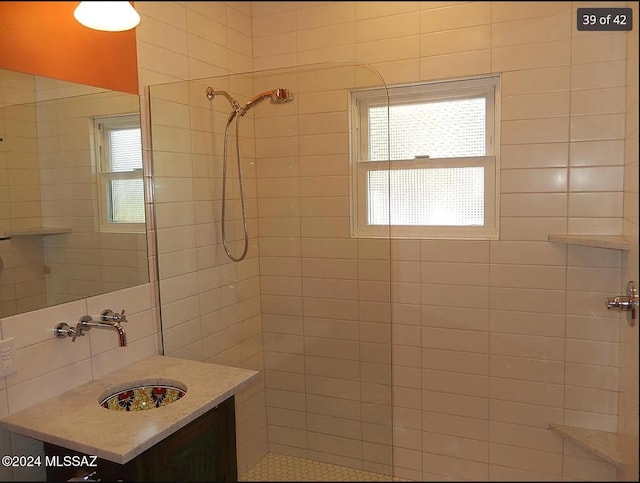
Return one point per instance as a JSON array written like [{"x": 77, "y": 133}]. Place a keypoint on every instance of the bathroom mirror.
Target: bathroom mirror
[{"x": 72, "y": 211}]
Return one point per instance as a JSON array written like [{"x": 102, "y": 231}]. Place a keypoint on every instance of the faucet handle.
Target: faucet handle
[
  {"x": 63, "y": 330},
  {"x": 76, "y": 332},
  {"x": 111, "y": 316}
]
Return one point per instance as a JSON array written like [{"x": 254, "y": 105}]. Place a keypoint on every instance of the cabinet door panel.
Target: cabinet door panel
[
  {"x": 201, "y": 451},
  {"x": 204, "y": 450}
]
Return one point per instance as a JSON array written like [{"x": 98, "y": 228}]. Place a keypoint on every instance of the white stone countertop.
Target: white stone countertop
[{"x": 76, "y": 421}]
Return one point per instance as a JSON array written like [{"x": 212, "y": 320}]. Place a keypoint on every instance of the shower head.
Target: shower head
[
  {"x": 276, "y": 96},
  {"x": 281, "y": 95}
]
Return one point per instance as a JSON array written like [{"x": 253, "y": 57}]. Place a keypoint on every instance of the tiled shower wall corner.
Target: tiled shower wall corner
[
  {"x": 325, "y": 295},
  {"x": 175, "y": 41},
  {"x": 210, "y": 307},
  {"x": 552, "y": 131},
  {"x": 628, "y": 407},
  {"x": 491, "y": 340}
]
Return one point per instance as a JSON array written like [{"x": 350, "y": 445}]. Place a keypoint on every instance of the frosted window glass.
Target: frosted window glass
[
  {"x": 440, "y": 129},
  {"x": 426, "y": 196},
  {"x": 127, "y": 201},
  {"x": 425, "y": 159}
]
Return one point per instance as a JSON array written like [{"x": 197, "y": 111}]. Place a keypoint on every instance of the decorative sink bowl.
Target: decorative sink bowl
[{"x": 142, "y": 395}]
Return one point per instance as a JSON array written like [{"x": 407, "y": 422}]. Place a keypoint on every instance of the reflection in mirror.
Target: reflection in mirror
[{"x": 71, "y": 192}]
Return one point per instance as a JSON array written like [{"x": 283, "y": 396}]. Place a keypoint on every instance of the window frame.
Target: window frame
[
  {"x": 102, "y": 126},
  {"x": 360, "y": 102}
]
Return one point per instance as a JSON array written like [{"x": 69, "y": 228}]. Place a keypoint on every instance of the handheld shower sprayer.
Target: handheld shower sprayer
[{"x": 276, "y": 96}]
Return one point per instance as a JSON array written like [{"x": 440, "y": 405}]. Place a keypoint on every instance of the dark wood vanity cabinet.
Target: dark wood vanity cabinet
[{"x": 204, "y": 450}]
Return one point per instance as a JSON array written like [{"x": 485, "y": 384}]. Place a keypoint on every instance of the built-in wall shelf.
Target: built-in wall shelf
[
  {"x": 603, "y": 444},
  {"x": 614, "y": 242},
  {"x": 36, "y": 232}
]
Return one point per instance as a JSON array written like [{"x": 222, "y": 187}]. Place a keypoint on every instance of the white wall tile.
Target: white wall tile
[{"x": 519, "y": 277}]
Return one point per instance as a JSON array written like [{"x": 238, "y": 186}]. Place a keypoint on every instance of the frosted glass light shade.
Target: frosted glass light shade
[{"x": 107, "y": 16}]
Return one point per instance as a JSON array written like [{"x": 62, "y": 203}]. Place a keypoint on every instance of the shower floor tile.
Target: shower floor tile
[{"x": 276, "y": 467}]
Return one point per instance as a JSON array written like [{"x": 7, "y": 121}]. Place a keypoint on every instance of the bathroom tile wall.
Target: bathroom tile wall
[
  {"x": 48, "y": 166},
  {"x": 539, "y": 52},
  {"x": 492, "y": 340},
  {"x": 19, "y": 148},
  {"x": 83, "y": 262},
  {"x": 325, "y": 295},
  {"x": 47, "y": 366},
  {"x": 210, "y": 306},
  {"x": 176, "y": 41},
  {"x": 22, "y": 281},
  {"x": 628, "y": 407}
]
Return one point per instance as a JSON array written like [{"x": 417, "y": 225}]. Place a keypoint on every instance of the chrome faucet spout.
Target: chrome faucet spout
[
  {"x": 108, "y": 320},
  {"x": 122, "y": 335},
  {"x": 86, "y": 323}
]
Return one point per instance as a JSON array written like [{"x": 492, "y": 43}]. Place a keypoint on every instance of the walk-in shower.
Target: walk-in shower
[
  {"x": 309, "y": 307},
  {"x": 275, "y": 96}
]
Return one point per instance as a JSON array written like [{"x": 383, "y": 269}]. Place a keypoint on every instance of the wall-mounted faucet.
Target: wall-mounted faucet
[
  {"x": 108, "y": 320},
  {"x": 628, "y": 302}
]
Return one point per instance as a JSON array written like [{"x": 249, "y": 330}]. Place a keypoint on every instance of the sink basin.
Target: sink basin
[{"x": 142, "y": 395}]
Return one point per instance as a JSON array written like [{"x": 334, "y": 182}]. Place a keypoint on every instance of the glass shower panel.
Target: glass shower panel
[{"x": 309, "y": 305}]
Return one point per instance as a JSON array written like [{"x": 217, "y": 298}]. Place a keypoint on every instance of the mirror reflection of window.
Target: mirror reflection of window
[
  {"x": 56, "y": 248},
  {"x": 119, "y": 177}
]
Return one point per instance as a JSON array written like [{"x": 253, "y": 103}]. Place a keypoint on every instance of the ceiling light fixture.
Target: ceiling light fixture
[{"x": 107, "y": 16}]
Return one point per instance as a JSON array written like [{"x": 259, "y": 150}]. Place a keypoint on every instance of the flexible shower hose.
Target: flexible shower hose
[{"x": 224, "y": 189}]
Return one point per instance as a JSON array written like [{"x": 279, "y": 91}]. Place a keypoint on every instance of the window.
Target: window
[
  {"x": 424, "y": 160},
  {"x": 119, "y": 173}
]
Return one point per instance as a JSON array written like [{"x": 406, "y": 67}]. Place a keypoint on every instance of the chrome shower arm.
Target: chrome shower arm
[{"x": 211, "y": 93}]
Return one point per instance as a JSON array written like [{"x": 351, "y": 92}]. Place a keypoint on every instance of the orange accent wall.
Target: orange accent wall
[{"x": 44, "y": 38}]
